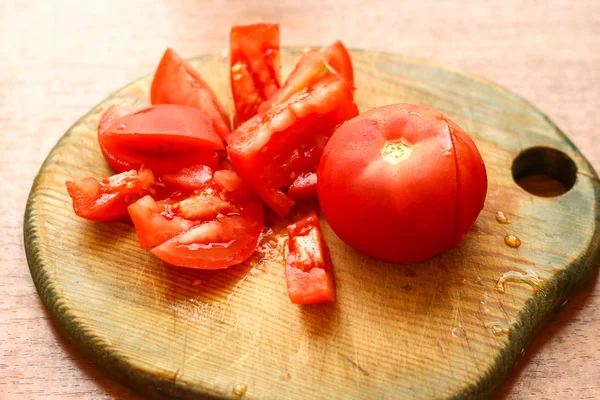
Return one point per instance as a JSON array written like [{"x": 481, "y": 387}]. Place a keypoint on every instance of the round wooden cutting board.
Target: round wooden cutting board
[{"x": 451, "y": 327}]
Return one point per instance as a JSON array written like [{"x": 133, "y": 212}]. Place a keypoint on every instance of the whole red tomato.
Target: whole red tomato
[{"x": 401, "y": 183}]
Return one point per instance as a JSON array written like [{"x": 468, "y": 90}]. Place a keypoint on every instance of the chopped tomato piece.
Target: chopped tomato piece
[
  {"x": 308, "y": 271},
  {"x": 108, "y": 199},
  {"x": 216, "y": 226},
  {"x": 338, "y": 57},
  {"x": 304, "y": 187},
  {"x": 273, "y": 148},
  {"x": 255, "y": 66},
  {"x": 163, "y": 138},
  {"x": 177, "y": 82}
]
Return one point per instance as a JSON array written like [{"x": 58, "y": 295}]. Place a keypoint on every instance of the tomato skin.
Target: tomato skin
[
  {"x": 177, "y": 82},
  {"x": 113, "y": 113},
  {"x": 108, "y": 199},
  {"x": 255, "y": 66},
  {"x": 271, "y": 149},
  {"x": 308, "y": 271},
  {"x": 304, "y": 187},
  {"x": 214, "y": 227},
  {"x": 472, "y": 181},
  {"x": 406, "y": 209},
  {"x": 338, "y": 57},
  {"x": 163, "y": 138}
]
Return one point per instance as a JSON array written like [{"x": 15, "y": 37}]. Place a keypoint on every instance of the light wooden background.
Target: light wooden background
[{"x": 59, "y": 58}]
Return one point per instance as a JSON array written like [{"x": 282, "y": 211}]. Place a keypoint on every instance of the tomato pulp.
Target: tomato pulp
[
  {"x": 255, "y": 66},
  {"x": 401, "y": 183},
  {"x": 308, "y": 271}
]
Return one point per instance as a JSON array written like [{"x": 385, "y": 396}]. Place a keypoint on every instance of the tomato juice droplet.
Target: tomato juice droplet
[
  {"x": 529, "y": 277},
  {"x": 512, "y": 241},
  {"x": 240, "y": 389},
  {"x": 121, "y": 127},
  {"x": 497, "y": 328},
  {"x": 396, "y": 151},
  {"x": 502, "y": 218}
]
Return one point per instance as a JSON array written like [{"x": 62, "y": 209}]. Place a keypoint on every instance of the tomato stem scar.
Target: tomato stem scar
[{"x": 396, "y": 151}]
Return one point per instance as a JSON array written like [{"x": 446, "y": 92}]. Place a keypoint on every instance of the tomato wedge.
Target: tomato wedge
[
  {"x": 177, "y": 82},
  {"x": 255, "y": 66},
  {"x": 308, "y": 271},
  {"x": 216, "y": 226},
  {"x": 108, "y": 199},
  {"x": 338, "y": 57},
  {"x": 273, "y": 148},
  {"x": 163, "y": 138}
]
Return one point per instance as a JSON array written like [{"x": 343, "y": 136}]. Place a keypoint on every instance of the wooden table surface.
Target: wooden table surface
[{"x": 59, "y": 58}]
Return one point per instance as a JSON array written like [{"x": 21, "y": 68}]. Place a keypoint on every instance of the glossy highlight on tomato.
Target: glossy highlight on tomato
[
  {"x": 163, "y": 138},
  {"x": 401, "y": 182},
  {"x": 255, "y": 66},
  {"x": 308, "y": 271}
]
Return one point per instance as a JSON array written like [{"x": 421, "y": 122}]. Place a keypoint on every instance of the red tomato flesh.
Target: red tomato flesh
[
  {"x": 338, "y": 57},
  {"x": 109, "y": 198},
  {"x": 183, "y": 182},
  {"x": 216, "y": 226},
  {"x": 177, "y": 82},
  {"x": 308, "y": 271},
  {"x": 273, "y": 148},
  {"x": 163, "y": 138},
  {"x": 401, "y": 183},
  {"x": 255, "y": 66}
]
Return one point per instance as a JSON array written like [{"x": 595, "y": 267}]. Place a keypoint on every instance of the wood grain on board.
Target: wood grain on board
[
  {"x": 451, "y": 327},
  {"x": 60, "y": 58}
]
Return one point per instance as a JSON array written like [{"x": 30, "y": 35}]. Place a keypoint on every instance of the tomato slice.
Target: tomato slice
[
  {"x": 108, "y": 199},
  {"x": 271, "y": 149},
  {"x": 255, "y": 66},
  {"x": 177, "y": 82},
  {"x": 216, "y": 226},
  {"x": 308, "y": 271},
  {"x": 163, "y": 138},
  {"x": 338, "y": 57},
  {"x": 304, "y": 187}
]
